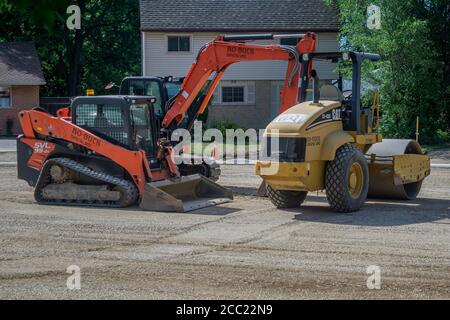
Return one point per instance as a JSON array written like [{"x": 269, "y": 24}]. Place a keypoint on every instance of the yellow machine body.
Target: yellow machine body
[{"x": 394, "y": 165}]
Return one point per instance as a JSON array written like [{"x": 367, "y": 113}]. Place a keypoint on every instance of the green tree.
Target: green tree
[
  {"x": 107, "y": 47},
  {"x": 413, "y": 74}
]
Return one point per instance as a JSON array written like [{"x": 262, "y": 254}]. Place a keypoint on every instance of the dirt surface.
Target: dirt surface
[
  {"x": 8, "y": 156},
  {"x": 243, "y": 249}
]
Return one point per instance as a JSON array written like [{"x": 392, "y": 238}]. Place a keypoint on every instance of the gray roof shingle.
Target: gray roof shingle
[
  {"x": 19, "y": 64},
  {"x": 238, "y": 15}
]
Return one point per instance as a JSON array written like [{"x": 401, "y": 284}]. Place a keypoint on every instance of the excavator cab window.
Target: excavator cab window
[
  {"x": 172, "y": 88},
  {"x": 143, "y": 128},
  {"x": 135, "y": 86}
]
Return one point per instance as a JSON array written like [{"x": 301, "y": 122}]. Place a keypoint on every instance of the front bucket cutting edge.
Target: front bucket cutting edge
[{"x": 183, "y": 194}]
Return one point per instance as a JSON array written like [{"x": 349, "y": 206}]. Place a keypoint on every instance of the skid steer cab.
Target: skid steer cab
[
  {"x": 333, "y": 143},
  {"x": 108, "y": 151}
]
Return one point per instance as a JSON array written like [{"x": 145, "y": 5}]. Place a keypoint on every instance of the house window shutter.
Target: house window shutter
[
  {"x": 216, "y": 98},
  {"x": 251, "y": 92}
]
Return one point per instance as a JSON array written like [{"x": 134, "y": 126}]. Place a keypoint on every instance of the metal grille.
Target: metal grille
[
  {"x": 289, "y": 150},
  {"x": 105, "y": 119}
]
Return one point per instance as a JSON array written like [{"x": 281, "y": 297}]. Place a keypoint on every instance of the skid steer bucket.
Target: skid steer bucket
[{"x": 183, "y": 194}]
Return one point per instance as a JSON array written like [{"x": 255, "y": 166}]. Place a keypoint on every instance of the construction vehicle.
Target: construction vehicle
[
  {"x": 116, "y": 150},
  {"x": 162, "y": 88},
  {"x": 333, "y": 143}
]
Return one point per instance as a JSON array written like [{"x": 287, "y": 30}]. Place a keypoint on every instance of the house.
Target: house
[
  {"x": 20, "y": 78},
  {"x": 173, "y": 31}
]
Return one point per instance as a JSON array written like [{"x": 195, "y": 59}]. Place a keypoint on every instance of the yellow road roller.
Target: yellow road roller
[{"x": 333, "y": 143}]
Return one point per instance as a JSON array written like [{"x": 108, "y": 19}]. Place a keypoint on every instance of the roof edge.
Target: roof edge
[{"x": 317, "y": 30}]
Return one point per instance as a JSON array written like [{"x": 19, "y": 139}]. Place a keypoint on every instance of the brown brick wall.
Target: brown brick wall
[{"x": 23, "y": 97}]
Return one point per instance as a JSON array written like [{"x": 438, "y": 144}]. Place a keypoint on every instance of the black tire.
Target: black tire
[
  {"x": 339, "y": 193},
  {"x": 286, "y": 199}
]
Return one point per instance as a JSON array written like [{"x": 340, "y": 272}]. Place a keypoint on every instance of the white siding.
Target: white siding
[{"x": 160, "y": 62}]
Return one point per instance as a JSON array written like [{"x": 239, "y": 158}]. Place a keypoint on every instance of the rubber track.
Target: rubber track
[{"x": 127, "y": 188}]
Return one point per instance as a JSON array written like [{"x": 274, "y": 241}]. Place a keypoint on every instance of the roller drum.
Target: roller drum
[{"x": 382, "y": 186}]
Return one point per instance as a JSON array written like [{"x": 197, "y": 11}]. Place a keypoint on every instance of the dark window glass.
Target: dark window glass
[
  {"x": 147, "y": 88},
  {"x": 137, "y": 88},
  {"x": 173, "y": 43},
  {"x": 172, "y": 88},
  {"x": 289, "y": 41},
  {"x": 227, "y": 94},
  {"x": 152, "y": 89},
  {"x": 5, "y": 97},
  {"x": 238, "y": 94},
  {"x": 177, "y": 44},
  {"x": 232, "y": 94},
  {"x": 185, "y": 44},
  {"x": 141, "y": 124}
]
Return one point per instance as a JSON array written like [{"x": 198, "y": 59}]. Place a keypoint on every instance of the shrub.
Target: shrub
[{"x": 222, "y": 126}]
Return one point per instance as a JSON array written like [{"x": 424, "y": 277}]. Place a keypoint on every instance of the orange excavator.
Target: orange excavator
[{"x": 116, "y": 150}]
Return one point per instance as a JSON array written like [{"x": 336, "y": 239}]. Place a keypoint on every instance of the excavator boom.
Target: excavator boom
[{"x": 216, "y": 56}]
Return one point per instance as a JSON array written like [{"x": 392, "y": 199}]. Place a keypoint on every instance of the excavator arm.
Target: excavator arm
[{"x": 216, "y": 56}]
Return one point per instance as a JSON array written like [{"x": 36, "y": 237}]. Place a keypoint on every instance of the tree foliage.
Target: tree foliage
[
  {"x": 414, "y": 73},
  {"x": 106, "y": 48}
]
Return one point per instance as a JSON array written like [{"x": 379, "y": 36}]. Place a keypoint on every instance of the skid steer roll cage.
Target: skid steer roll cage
[{"x": 216, "y": 56}]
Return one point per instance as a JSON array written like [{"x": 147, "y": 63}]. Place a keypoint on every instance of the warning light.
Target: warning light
[{"x": 90, "y": 92}]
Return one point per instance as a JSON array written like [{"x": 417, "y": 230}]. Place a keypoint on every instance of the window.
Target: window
[
  {"x": 5, "y": 97},
  {"x": 233, "y": 94},
  {"x": 141, "y": 124},
  {"x": 108, "y": 120},
  {"x": 178, "y": 43},
  {"x": 172, "y": 88},
  {"x": 289, "y": 41},
  {"x": 147, "y": 88}
]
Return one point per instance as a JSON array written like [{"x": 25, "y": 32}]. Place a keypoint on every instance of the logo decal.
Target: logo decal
[
  {"x": 329, "y": 116},
  {"x": 42, "y": 147},
  {"x": 291, "y": 118}
]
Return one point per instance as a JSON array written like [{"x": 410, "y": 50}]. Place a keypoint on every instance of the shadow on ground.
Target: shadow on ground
[{"x": 378, "y": 213}]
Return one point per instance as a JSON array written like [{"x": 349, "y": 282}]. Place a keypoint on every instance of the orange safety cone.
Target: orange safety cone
[
  {"x": 215, "y": 154},
  {"x": 186, "y": 148}
]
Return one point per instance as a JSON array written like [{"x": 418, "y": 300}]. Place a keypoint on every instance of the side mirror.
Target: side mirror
[{"x": 110, "y": 86}]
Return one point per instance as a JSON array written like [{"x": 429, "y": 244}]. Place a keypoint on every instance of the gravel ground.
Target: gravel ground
[{"x": 243, "y": 249}]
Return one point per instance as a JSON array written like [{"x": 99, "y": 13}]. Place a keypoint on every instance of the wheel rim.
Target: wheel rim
[{"x": 355, "y": 180}]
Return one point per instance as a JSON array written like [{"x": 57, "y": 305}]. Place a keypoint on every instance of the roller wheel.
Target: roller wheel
[
  {"x": 347, "y": 180},
  {"x": 286, "y": 199}
]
